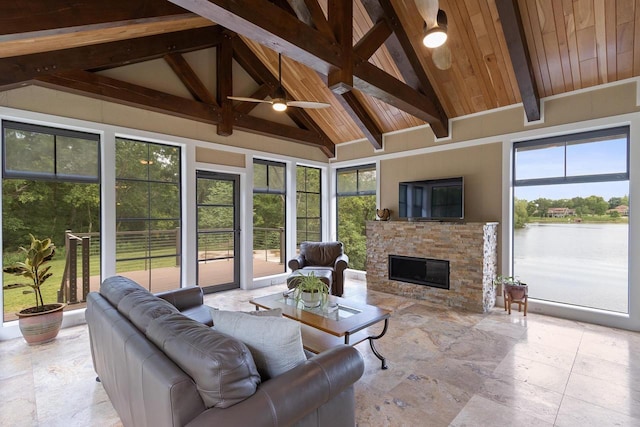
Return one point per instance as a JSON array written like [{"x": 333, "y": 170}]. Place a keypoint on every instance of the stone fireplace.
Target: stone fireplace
[{"x": 418, "y": 251}]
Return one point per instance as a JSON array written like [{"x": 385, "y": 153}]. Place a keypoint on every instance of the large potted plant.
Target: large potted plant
[
  {"x": 311, "y": 291},
  {"x": 40, "y": 323}
]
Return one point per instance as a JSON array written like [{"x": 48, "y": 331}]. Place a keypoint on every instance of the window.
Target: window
[
  {"x": 269, "y": 197},
  {"x": 308, "y": 205},
  {"x": 356, "y": 204},
  {"x": 571, "y": 208},
  {"x": 148, "y": 213},
  {"x": 51, "y": 189}
]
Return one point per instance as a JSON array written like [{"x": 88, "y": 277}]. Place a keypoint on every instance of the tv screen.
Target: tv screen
[{"x": 433, "y": 199}]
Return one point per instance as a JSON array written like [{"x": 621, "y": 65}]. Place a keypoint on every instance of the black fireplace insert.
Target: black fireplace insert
[{"x": 419, "y": 271}]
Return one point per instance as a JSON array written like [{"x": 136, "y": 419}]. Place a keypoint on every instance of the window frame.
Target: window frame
[{"x": 320, "y": 210}]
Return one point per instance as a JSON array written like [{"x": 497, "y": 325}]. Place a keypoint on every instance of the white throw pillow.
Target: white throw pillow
[{"x": 274, "y": 342}]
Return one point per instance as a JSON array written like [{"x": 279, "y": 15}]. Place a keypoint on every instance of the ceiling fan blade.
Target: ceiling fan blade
[
  {"x": 308, "y": 104},
  {"x": 242, "y": 98},
  {"x": 441, "y": 57},
  {"x": 428, "y": 9}
]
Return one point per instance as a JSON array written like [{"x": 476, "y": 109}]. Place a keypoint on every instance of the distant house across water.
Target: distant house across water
[
  {"x": 623, "y": 210},
  {"x": 560, "y": 212}
]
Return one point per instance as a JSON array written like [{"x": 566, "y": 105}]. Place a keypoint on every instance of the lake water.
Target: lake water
[{"x": 579, "y": 264}]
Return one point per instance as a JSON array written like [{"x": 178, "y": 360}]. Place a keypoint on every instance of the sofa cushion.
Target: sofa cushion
[
  {"x": 221, "y": 366},
  {"x": 142, "y": 307},
  {"x": 115, "y": 288},
  {"x": 275, "y": 342}
]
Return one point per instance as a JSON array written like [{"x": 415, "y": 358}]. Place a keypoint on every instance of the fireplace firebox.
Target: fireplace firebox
[{"x": 420, "y": 271}]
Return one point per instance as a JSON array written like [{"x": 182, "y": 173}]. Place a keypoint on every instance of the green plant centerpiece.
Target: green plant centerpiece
[
  {"x": 40, "y": 323},
  {"x": 512, "y": 286},
  {"x": 311, "y": 291}
]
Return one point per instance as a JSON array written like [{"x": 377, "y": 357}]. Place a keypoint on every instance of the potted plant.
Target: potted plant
[
  {"x": 512, "y": 287},
  {"x": 311, "y": 291},
  {"x": 40, "y": 323}
]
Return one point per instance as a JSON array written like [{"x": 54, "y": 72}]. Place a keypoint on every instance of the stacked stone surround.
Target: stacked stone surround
[{"x": 470, "y": 248}]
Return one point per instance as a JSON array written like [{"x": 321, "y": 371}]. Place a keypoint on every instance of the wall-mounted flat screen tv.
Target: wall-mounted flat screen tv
[{"x": 432, "y": 199}]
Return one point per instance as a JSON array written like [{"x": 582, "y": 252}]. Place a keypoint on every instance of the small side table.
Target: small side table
[{"x": 509, "y": 300}]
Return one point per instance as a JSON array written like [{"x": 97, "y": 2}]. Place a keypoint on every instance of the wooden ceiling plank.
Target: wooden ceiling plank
[
  {"x": 611, "y": 40},
  {"x": 375, "y": 82},
  {"x": 504, "y": 54},
  {"x": 269, "y": 25},
  {"x": 538, "y": 50},
  {"x": 563, "y": 46},
  {"x": 340, "y": 80},
  {"x": 23, "y": 16},
  {"x": 189, "y": 78},
  {"x": 224, "y": 85},
  {"x": 514, "y": 34},
  {"x": 372, "y": 40},
  {"x": 601, "y": 47},
  {"x": 636, "y": 40},
  {"x": 572, "y": 43},
  {"x": 362, "y": 118},
  {"x": 16, "y": 71},
  {"x": 261, "y": 93}
]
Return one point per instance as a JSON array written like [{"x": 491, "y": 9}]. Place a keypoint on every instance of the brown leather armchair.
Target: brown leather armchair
[{"x": 316, "y": 256}]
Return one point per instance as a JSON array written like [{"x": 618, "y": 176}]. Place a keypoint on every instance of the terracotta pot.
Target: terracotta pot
[
  {"x": 43, "y": 326},
  {"x": 516, "y": 293}
]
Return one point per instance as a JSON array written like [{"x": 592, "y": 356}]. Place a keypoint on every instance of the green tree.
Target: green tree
[
  {"x": 353, "y": 213},
  {"x": 520, "y": 214}
]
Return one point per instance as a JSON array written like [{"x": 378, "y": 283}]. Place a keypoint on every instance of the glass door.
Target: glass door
[{"x": 217, "y": 201}]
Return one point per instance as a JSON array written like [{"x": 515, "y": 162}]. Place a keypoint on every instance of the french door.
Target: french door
[{"x": 218, "y": 242}]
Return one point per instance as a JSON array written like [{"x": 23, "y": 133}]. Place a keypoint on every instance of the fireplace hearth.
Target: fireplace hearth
[{"x": 419, "y": 271}]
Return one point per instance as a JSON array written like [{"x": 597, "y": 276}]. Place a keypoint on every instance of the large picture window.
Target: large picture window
[
  {"x": 148, "y": 213},
  {"x": 356, "y": 204},
  {"x": 571, "y": 208},
  {"x": 269, "y": 204},
  {"x": 51, "y": 189}
]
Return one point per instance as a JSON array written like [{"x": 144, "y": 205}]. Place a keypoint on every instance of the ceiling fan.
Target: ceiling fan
[
  {"x": 278, "y": 100},
  {"x": 435, "y": 23}
]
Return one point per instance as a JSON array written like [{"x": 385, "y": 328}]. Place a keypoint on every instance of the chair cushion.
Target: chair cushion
[
  {"x": 220, "y": 365},
  {"x": 321, "y": 253},
  {"x": 275, "y": 342}
]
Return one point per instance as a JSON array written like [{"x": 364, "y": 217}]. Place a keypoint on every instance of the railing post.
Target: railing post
[
  {"x": 63, "y": 292},
  {"x": 73, "y": 270},
  {"x": 282, "y": 254},
  {"x": 86, "y": 276}
]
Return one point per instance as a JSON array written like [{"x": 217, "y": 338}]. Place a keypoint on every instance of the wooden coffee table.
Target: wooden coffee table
[{"x": 344, "y": 322}]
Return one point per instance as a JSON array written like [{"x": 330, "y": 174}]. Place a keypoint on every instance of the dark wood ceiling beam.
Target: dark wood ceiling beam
[
  {"x": 362, "y": 118},
  {"x": 224, "y": 85},
  {"x": 340, "y": 80},
  {"x": 15, "y": 71},
  {"x": 408, "y": 62},
  {"x": 375, "y": 82},
  {"x": 271, "y": 26},
  {"x": 112, "y": 90},
  {"x": 313, "y": 15},
  {"x": 108, "y": 89},
  {"x": 302, "y": 119},
  {"x": 289, "y": 133},
  {"x": 189, "y": 78},
  {"x": 371, "y": 42},
  {"x": 511, "y": 21},
  {"x": 23, "y": 16}
]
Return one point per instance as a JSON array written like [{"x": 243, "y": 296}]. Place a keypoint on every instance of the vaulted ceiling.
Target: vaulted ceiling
[{"x": 365, "y": 58}]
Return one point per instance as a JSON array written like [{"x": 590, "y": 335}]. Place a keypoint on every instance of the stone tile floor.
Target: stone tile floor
[{"x": 446, "y": 368}]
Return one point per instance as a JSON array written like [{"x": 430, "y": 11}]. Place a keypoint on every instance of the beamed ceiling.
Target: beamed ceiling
[{"x": 364, "y": 58}]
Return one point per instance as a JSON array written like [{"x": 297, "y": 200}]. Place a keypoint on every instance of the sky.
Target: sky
[{"x": 599, "y": 157}]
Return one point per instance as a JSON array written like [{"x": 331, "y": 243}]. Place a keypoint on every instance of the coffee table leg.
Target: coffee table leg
[{"x": 373, "y": 348}]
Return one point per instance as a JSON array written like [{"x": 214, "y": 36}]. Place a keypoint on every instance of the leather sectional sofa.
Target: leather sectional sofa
[{"x": 154, "y": 381}]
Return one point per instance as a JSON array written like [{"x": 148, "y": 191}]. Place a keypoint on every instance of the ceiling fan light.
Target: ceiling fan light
[
  {"x": 279, "y": 105},
  {"x": 436, "y": 36}
]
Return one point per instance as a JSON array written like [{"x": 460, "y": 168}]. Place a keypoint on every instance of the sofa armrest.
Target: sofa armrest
[
  {"x": 342, "y": 263},
  {"x": 297, "y": 263},
  {"x": 183, "y": 298},
  {"x": 289, "y": 397}
]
